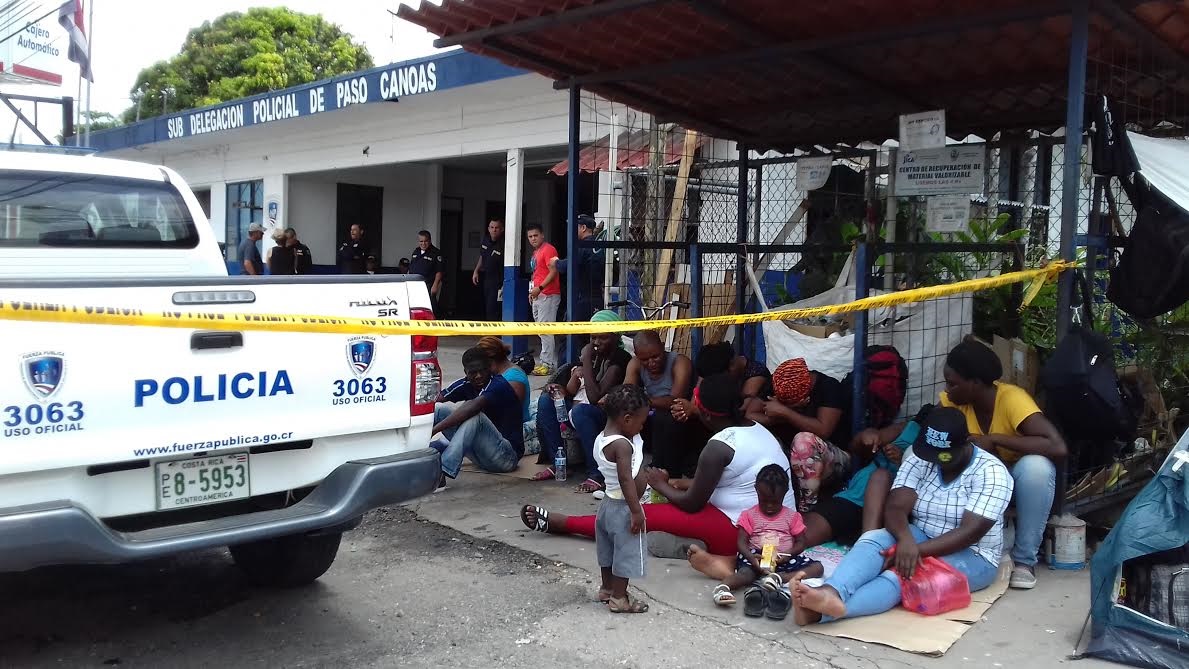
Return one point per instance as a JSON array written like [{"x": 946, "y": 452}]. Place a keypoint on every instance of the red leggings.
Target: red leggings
[{"x": 709, "y": 525}]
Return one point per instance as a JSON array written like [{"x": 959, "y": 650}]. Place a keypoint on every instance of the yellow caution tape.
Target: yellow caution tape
[{"x": 11, "y": 310}]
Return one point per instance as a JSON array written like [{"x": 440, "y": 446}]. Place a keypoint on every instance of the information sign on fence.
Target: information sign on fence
[
  {"x": 812, "y": 173},
  {"x": 948, "y": 213},
  {"x": 953, "y": 170},
  {"x": 925, "y": 130}
]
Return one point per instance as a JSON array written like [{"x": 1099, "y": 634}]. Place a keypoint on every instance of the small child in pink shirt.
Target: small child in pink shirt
[{"x": 769, "y": 523}]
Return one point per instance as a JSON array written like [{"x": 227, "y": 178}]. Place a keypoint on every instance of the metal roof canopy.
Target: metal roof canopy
[{"x": 787, "y": 74}]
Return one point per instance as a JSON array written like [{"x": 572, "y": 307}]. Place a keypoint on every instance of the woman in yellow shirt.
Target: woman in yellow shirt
[{"x": 1004, "y": 420}]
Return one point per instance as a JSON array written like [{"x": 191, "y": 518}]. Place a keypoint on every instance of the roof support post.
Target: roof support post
[
  {"x": 741, "y": 240},
  {"x": 1075, "y": 107},
  {"x": 572, "y": 216}
]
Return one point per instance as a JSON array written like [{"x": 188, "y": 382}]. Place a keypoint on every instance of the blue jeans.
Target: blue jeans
[
  {"x": 867, "y": 589},
  {"x": 1035, "y": 484},
  {"x": 587, "y": 420},
  {"x": 478, "y": 439}
]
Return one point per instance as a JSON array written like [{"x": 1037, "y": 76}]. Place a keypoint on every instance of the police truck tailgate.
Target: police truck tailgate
[{"x": 77, "y": 394}]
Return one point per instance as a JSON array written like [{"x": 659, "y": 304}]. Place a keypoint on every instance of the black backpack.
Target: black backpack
[
  {"x": 1082, "y": 391},
  {"x": 1152, "y": 276}
]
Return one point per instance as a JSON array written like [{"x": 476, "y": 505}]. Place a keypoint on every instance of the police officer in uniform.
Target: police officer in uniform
[
  {"x": 352, "y": 256},
  {"x": 427, "y": 261},
  {"x": 491, "y": 266}
]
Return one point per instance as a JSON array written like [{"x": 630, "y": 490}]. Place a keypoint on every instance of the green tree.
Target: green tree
[{"x": 239, "y": 54}]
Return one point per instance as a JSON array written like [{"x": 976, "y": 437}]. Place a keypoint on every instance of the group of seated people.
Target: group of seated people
[{"x": 937, "y": 485}]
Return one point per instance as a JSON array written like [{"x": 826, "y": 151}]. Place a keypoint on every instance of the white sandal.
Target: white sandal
[
  {"x": 771, "y": 582},
  {"x": 722, "y": 595}
]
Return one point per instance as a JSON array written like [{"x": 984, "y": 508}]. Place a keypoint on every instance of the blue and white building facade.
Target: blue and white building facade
[{"x": 441, "y": 143}]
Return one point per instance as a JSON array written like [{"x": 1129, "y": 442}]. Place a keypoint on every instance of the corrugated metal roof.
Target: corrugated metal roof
[
  {"x": 632, "y": 149},
  {"x": 786, "y": 73}
]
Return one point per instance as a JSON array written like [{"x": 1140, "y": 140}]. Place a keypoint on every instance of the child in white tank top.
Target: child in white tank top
[{"x": 619, "y": 524}]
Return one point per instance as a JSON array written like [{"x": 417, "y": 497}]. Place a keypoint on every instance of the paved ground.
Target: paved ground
[
  {"x": 454, "y": 580},
  {"x": 404, "y": 592}
]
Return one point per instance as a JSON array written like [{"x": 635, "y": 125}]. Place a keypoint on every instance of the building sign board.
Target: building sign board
[
  {"x": 389, "y": 83},
  {"x": 953, "y": 170},
  {"x": 32, "y": 51}
]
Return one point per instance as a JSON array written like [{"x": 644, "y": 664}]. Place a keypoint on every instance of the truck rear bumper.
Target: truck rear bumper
[{"x": 62, "y": 533}]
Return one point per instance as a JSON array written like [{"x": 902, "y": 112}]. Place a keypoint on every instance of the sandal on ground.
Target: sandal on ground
[
  {"x": 722, "y": 595},
  {"x": 770, "y": 582},
  {"x": 779, "y": 605},
  {"x": 542, "y": 524},
  {"x": 604, "y": 596},
  {"x": 544, "y": 475},
  {"x": 755, "y": 602},
  {"x": 589, "y": 486},
  {"x": 626, "y": 605}
]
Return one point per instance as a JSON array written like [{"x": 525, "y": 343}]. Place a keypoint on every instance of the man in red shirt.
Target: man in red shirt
[{"x": 544, "y": 294}]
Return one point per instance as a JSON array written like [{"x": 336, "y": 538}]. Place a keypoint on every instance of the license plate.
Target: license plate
[{"x": 198, "y": 481}]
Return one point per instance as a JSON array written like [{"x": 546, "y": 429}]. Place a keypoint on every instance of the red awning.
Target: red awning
[{"x": 634, "y": 149}]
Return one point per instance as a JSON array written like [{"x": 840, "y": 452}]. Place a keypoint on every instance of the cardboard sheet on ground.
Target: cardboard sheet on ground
[
  {"x": 528, "y": 468},
  {"x": 927, "y": 635}
]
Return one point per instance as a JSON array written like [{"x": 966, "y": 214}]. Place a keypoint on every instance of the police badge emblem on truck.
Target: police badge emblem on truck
[
  {"x": 361, "y": 351},
  {"x": 43, "y": 373}
]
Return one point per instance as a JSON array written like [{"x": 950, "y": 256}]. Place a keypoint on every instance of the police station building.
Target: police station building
[{"x": 442, "y": 143}]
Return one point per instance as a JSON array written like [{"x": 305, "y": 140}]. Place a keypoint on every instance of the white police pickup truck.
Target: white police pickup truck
[{"x": 123, "y": 443}]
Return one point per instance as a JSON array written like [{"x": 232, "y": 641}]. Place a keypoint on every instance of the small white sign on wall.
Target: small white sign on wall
[
  {"x": 948, "y": 213},
  {"x": 925, "y": 130},
  {"x": 812, "y": 173}
]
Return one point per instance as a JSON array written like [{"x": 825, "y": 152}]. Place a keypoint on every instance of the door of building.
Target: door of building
[{"x": 363, "y": 205}]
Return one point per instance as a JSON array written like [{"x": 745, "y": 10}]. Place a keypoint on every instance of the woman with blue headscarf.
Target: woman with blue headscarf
[{"x": 601, "y": 367}]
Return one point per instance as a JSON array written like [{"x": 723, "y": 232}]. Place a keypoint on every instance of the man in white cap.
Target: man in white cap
[{"x": 249, "y": 253}]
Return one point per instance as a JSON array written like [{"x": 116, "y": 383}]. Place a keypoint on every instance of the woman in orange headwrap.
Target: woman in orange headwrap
[{"x": 806, "y": 413}]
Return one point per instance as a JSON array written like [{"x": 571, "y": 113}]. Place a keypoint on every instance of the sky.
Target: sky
[{"x": 129, "y": 35}]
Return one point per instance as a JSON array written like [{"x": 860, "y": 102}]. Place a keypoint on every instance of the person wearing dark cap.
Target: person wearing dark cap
[
  {"x": 402, "y": 267},
  {"x": 589, "y": 268},
  {"x": 947, "y": 502}
]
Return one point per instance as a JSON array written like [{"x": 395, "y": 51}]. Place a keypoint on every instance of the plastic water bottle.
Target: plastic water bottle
[
  {"x": 559, "y": 465},
  {"x": 559, "y": 459}
]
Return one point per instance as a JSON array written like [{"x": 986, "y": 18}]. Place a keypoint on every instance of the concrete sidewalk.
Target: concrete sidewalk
[{"x": 1037, "y": 628}]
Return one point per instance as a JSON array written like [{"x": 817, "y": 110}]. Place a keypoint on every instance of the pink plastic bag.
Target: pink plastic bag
[{"x": 935, "y": 588}]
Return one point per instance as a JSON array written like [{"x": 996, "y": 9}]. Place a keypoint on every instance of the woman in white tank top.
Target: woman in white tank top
[{"x": 723, "y": 486}]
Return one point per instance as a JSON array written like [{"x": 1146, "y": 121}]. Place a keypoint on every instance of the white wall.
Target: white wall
[{"x": 312, "y": 204}]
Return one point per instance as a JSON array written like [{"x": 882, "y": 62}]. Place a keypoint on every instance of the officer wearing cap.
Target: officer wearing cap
[
  {"x": 427, "y": 261},
  {"x": 249, "y": 253},
  {"x": 352, "y": 255},
  {"x": 590, "y": 270}
]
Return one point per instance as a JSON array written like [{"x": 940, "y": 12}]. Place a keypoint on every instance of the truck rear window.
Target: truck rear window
[{"x": 84, "y": 210}]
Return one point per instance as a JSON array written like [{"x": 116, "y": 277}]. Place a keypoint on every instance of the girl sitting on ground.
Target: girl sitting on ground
[
  {"x": 768, "y": 523},
  {"x": 619, "y": 525}
]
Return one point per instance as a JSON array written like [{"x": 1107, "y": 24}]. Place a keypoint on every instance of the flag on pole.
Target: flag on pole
[{"x": 70, "y": 16}]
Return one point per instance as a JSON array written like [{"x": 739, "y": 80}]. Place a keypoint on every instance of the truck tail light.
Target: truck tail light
[{"x": 426, "y": 376}]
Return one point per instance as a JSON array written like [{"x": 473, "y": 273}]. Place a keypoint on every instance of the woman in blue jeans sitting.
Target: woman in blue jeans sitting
[
  {"x": 602, "y": 365},
  {"x": 955, "y": 494}
]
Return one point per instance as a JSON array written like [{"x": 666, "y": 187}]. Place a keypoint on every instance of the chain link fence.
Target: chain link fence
[{"x": 688, "y": 229}]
